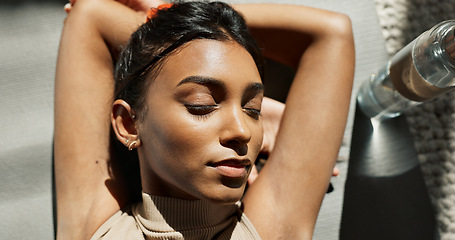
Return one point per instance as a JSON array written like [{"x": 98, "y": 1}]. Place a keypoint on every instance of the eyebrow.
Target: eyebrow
[
  {"x": 255, "y": 87},
  {"x": 203, "y": 81}
]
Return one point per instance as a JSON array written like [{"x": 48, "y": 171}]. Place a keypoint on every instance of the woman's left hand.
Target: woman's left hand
[
  {"x": 141, "y": 5},
  {"x": 137, "y": 5}
]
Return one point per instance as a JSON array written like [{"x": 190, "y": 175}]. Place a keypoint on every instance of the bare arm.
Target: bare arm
[
  {"x": 285, "y": 199},
  {"x": 83, "y": 100},
  {"x": 84, "y": 86}
]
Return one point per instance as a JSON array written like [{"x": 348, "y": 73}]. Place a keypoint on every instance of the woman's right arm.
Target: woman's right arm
[{"x": 83, "y": 98}]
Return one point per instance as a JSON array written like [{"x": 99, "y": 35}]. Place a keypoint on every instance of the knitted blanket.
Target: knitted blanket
[{"x": 432, "y": 123}]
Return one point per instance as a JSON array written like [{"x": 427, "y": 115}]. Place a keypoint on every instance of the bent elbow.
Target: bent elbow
[{"x": 339, "y": 25}]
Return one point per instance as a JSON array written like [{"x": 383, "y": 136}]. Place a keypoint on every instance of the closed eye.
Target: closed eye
[
  {"x": 252, "y": 100},
  {"x": 197, "y": 109},
  {"x": 254, "y": 113}
]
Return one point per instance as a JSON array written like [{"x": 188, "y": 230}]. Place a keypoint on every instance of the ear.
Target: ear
[{"x": 124, "y": 125}]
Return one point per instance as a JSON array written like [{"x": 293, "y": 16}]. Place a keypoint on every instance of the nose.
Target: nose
[{"x": 236, "y": 133}]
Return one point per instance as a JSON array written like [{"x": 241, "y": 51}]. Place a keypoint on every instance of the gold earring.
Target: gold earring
[{"x": 132, "y": 145}]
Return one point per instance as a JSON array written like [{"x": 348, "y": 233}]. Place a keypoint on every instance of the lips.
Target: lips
[{"x": 233, "y": 168}]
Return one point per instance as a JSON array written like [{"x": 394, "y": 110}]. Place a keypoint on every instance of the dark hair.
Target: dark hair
[{"x": 165, "y": 32}]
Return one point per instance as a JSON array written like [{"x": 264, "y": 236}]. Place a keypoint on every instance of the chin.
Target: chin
[{"x": 226, "y": 195}]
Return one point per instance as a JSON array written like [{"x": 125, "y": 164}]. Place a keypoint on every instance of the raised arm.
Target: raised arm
[
  {"x": 88, "y": 193},
  {"x": 85, "y": 183},
  {"x": 285, "y": 199}
]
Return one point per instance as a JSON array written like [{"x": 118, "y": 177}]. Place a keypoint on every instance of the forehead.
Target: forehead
[{"x": 224, "y": 60}]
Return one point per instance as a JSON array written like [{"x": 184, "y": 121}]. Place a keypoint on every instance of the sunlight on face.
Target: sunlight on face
[{"x": 202, "y": 129}]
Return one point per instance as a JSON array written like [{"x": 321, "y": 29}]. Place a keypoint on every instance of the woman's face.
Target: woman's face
[{"x": 202, "y": 129}]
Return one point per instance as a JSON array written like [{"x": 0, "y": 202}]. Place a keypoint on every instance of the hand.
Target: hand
[
  {"x": 141, "y": 5},
  {"x": 137, "y": 5},
  {"x": 272, "y": 112}
]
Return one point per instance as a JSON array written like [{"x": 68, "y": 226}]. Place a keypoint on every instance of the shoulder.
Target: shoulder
[
  {"x": 122, "y": 225},
  {"x": 245, "y": 230},
  {"x": 240, "y": 228}
]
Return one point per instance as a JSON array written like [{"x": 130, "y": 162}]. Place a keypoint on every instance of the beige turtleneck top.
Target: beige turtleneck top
[{"x": 170, "y": 218}]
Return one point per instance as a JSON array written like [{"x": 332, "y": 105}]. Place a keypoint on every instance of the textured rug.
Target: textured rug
[{"x": 432, "y": 124}]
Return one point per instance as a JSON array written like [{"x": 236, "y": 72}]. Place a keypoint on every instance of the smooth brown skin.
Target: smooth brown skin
[
  {"x": 200, "y": 112},
  {"x": 284, "y": 200}
]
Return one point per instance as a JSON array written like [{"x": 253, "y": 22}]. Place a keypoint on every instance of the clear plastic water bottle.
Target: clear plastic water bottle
[{"x": 421, "y": 71}]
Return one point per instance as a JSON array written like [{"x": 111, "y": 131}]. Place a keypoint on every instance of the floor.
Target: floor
[{"x": 29, "y": 35}]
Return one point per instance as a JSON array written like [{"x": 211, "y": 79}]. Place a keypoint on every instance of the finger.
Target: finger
[
  {"x": 253, "y": 175},
  {"x": 335, "y": 172},
  {"x": 154, "y": 3}
]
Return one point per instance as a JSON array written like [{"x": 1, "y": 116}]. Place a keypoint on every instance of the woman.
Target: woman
[{"x": 198, "y": 129}]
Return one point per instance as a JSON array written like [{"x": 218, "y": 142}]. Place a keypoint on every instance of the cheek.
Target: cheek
[
  {"x": 257, "y": 137},
  {"x": 176, "y": 135}
]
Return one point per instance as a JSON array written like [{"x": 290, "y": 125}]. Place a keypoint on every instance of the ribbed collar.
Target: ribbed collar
[{"x": 164, "y": 214}]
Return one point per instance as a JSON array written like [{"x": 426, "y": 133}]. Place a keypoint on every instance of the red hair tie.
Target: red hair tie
[{"x": 153, "y": 11}]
